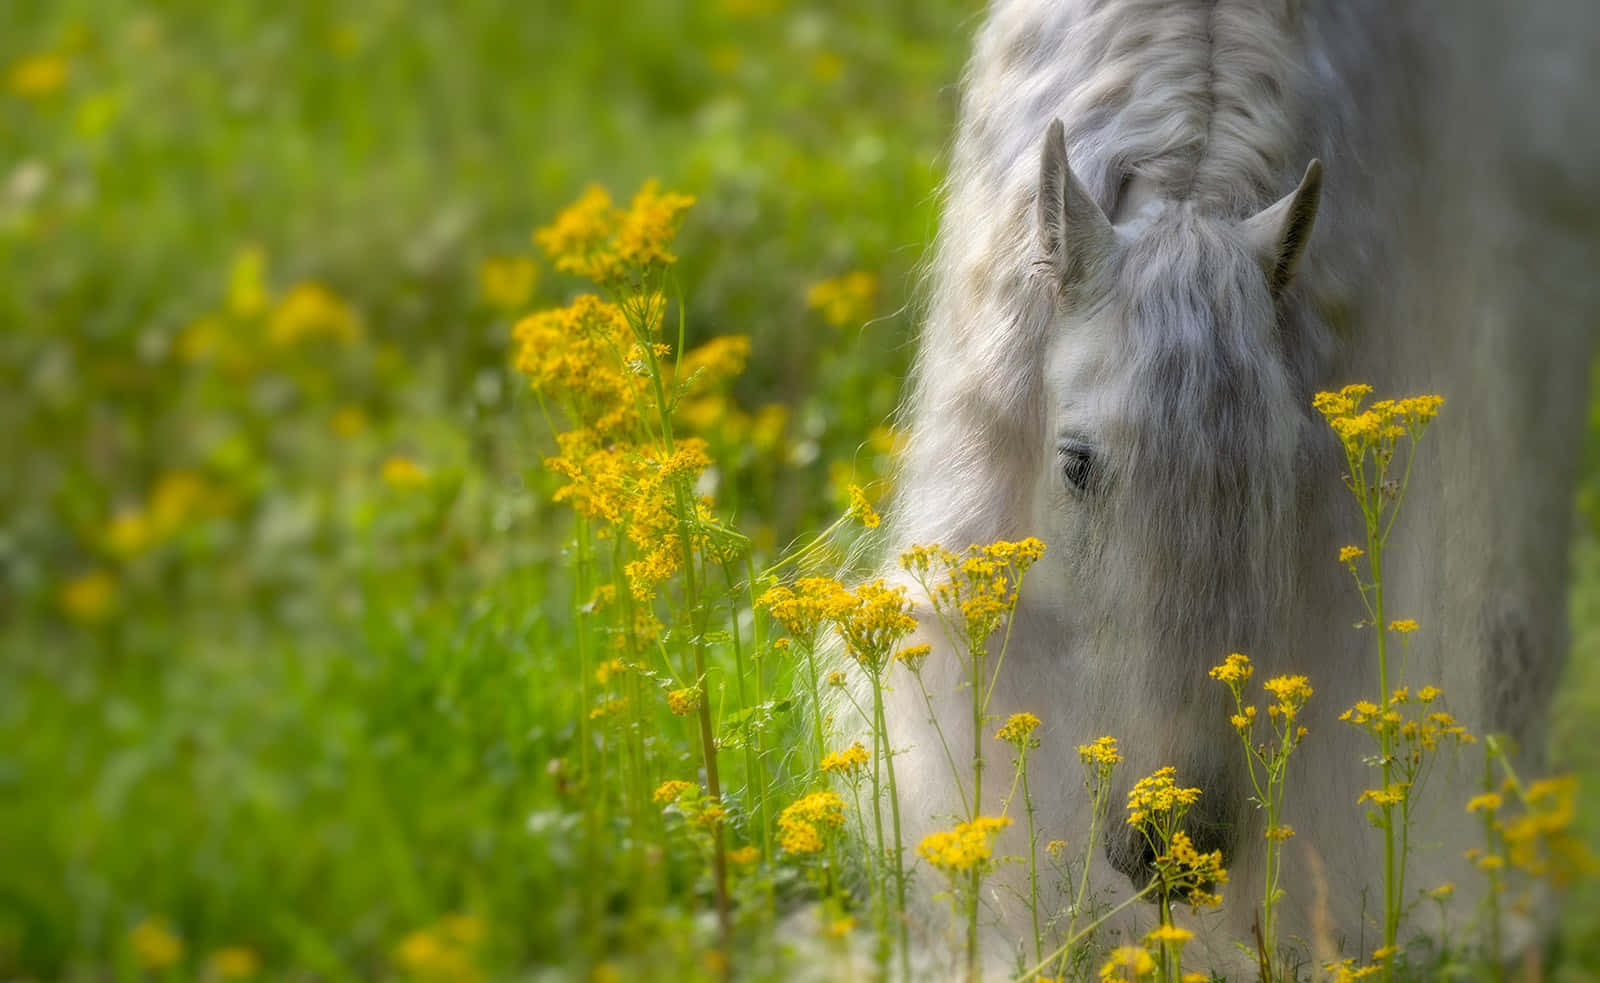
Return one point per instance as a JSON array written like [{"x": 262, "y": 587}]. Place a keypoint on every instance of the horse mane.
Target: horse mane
[{"x": 1192, "y": 100}]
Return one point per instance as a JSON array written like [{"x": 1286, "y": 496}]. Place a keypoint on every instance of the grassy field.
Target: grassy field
[{"x": 286, "y": 614}]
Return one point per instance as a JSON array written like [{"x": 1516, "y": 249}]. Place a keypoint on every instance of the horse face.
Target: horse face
[{"x": 1169, "y": 484}]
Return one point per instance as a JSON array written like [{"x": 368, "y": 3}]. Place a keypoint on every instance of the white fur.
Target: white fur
[{"x": 1452, "y": 253}]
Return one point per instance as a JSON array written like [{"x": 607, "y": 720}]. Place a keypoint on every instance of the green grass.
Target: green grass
[{"x": 336, "y": 711}]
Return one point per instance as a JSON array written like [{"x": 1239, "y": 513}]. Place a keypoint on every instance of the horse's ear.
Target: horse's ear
[
  {"x": 1279, "y": 232},
  {"x": 1074, "y": 233}
]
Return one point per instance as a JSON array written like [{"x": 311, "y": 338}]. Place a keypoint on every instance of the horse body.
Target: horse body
[{"x": 1141, "y": 303}]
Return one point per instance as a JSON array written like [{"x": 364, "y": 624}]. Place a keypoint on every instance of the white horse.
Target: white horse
[{"x": 1138, "y": 286}]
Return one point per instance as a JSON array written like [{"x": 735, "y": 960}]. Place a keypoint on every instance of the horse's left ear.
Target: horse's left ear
[{"x": 1279, "y": 232}]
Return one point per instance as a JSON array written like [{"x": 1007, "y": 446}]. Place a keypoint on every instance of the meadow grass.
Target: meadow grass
[{"x": 295, "y": 662}]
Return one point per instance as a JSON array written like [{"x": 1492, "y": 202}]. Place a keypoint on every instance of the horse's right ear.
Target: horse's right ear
[{"x": 1074, "y": 234}]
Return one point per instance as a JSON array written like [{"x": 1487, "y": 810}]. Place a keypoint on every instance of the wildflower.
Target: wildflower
[
  {"x": 1159, "y": 794},
  {"x": 1018, "y": 730},
  {"x": 711, "y": 815},
  {"x": 348, "y": 421},
  {"x": 1443, "y": 891},
  {"x": 402, "y": 472},
  {"x": 1384, "y": 953},
  {"x": 877, "y": 618},
  {"x": 1234, "y": 669},
  {"x": 1055, "y": 848},
  {"x": 38, "y": 76},
  {"x": 311, "y": 311},
  {"x": 845, "y": 299},
  {"x": 90, "y": 598},
  {"x": 649, "y": 225},
  {"x": 577, "y": 240},
  {"x": 1169, "y": 933},
  {"x": 1489, "y": 802},
  {"x": 1404, "y": 626},
  {"x": 861, "y": 509},
  {"x": 836, "y": 679},
  {"x": 850, "y": 761},
  {"x": 1392, "y": 795},
  {"x": 802, "y": 823},
  {"x": 670, "y": 791},
  {"x": 1346, "y": 971},
  {"x": 805, "y": 607},
  {"x": 234, "y": 962},
  {"x": 1348, "y": 554},
  {"x": 1102, "y": 752},
  {"x": 507, "y": 282},
  {"x": 841, "y": 927},
  {"x": 713, "y": 363},
  {"x": 912, "y": 656},
  {"x": 1128, "y": 962},
  {"x": 154, "y": 946},
  {"x": 744, "y": 856},
  {"x": 1279, "y": 833},
  {"x": 684, "y": 701},
  {"x": 964, "y": 848}
]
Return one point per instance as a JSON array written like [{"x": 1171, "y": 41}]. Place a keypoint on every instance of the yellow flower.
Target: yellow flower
[
  {"x": 744, "y": 856},
  {"x": 311, "y": 311},
  {"x": 577, "y": 241},
  {"x": 861, "y": 508},
  {"x": 507, "y": 282},
  {"x": 649, "y": 225},
  {"x": 872, "y": 626},
  {"x": 1489, "y": 802},
  {"x": 913, "y": 656},
  {"x": 1018, "y": 729},
  {"x": 1393, "y": 795},
  {"x": 1169, "y": 933},
  {"x": 1280, "y": 833},
  {"x": 234, "y": 962},
  {"x": 348, "y": 421},
  {"x": 1347, "y": 554},
  {"x": 1404, "y": 626},
  {"x": 670, "y": 791},
  {"x": 1056, "y": 848},
  {"x": 1102, "y": 752},
  {"x": 247, "y": 288},
  {"x": 154, "y": 946},
  {"x": 1234, "y": 669},
  {"x": 1443, "y": 891},
  {"x": 804, "y": 608},
  {"x": 1159, "y": 794},
  {"x": 38, "y": 76},
  {"x": 843, "y": 300},
  {"x": 90, "y": 598},
  {"x": 400, "y": 471},
  {"x": 1128, "y": 962},
  {"x": 964, "y": 848},
  {"x": 1385, "y": 952},
  {"x": 684, "y": 701},
  {"x": 847, "y": 762},
  {"x": 801, "y": 824},
  {"x": 713, "y": 363}
]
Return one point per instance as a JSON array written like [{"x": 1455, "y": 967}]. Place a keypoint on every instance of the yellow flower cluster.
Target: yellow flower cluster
[
  {"x": 744, "y": 856},
  {"x": 1379, "y": 424},
  {"x": 803, "y": 824},
  {"x": 38, "y": 76},
  {"x": 1190, "y": 872},
  {"x": 1292, "y": 693},
  {"x": 684, "y": 701},
  {"x": 713, "y": 363},
  {"x": 1100, "y": 753},
  {"x": 806, "y": 607},
  {"x": 90, "y": 598},
  {"x": 862, "y": 509},
  {"x": 447, "y": 950},
  {"x": 592, "y": 238},
  {"x": 1128, "y": 963},
  {"x": 155, "y": 947},
  {"x": 1346, "y": 971},
  {"x": 1018, "y": 730},
  {"x": 175, "y": 501},
  {"x": 1349, "y": 554},
  {"x": 581, "y": 358},
  {"x": 844, "y": 299},
  {"x": 1541, "y": 842},
  {"x": 1168, "y": 934},
  {"x": 403, "y": 472},
  {"x": 878, "y": 618},
  {"x": 848, "y": 762},
  {"x": 311, "y": 311},
  {"x": 669, "y": 792},
  {"x": 1157, "y": 797},
  {"x": 963, "y": 849},
  {"x": 978, "y": 587},
  {"x": 507, "y": 282},
  {"x": 234, "y": 962},
  {"x": 1234, "y": 669}
]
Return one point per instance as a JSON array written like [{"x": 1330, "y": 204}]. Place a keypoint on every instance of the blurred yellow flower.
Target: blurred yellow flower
[
  {"x": 154, "y": 946},
  {"x": 400, "y": 471},
  {"x": 843, "y": 300},
  {"x": 38, "y": 76},
  {"x": 826, "y": 66},
  {"x": 1128, "y": 962},
  {"x": 90, "y": 598},
  {"x": 348, "y": 421},
  {"x": 862, "y": 509},
  {"x": 247, "y": 288},
  {"x": 234, "y": 962},
  {"x": 129, "y": 533},
  {"x": 310, "y": 311},
  {"x": 964, "y": 848},
  {"x": 850, "y": 761},
  {"x": 593, "y": 238},
  {"x": 507, "y": 282},
  {"x": 744, "y": 856}
]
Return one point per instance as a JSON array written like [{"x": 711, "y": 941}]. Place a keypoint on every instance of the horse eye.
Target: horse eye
[{"x": 1077, "y": 464}]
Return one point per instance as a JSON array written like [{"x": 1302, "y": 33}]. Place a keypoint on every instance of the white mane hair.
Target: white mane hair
[{"x": 1143, "y": 292}]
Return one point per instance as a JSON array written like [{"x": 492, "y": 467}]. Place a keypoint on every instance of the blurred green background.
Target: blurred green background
[{"x": 282, "y": 605}]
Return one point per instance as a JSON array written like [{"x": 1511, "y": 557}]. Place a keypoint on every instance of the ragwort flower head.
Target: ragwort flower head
[
  {"x": 878, "y": 617},
  {"x": 848, "y": 762},
  {"x": 963, "y": 849},
  {"x": 1018, "y": 731}
]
